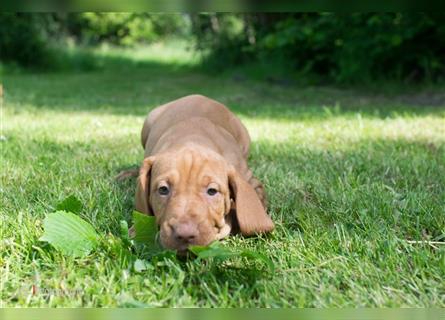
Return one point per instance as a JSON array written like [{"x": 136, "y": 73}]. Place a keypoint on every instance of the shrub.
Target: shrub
[
  {"x": 126, "y": 29},
  {"x": 21, "y": 39},
  {"x": 35, "y": 39},
  {"x": 344, "y": 48}
]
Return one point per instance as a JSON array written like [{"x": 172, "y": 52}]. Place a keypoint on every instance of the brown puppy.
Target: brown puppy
[{"x": 194, "y": 178}]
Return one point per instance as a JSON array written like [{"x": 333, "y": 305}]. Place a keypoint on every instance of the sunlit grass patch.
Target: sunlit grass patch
[{"x": 356, "y": 186}]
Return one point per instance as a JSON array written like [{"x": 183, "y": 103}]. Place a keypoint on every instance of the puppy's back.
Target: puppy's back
[{"x": 160, "y": 119}]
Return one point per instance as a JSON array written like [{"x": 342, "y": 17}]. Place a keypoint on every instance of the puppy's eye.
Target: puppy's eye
[
  {"x": 212, "y": 191},
  {"x": 163, "y": 190}
]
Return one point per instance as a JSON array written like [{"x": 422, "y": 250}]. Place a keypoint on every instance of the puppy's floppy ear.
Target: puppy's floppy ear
[
  {"x": 143, "y": 187},
  {"x": 250, "y": 213}
]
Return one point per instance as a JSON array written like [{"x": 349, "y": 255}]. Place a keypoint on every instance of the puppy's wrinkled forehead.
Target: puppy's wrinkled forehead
[{"x": 187, "y": 166}]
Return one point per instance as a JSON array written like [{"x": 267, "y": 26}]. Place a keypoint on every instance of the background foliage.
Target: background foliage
[
  {"x": 344, "y": 48},
  {"x": 350, "y": 48}
]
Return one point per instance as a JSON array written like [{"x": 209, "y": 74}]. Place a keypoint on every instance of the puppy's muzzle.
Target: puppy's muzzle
[{"x": 185, "y": 233}]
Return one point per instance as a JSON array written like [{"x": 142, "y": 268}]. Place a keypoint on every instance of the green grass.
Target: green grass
[{"x": 353, "y": 177}]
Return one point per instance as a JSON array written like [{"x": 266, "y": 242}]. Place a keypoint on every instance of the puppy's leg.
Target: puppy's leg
[
  {"x": 256, "y": 185},
  {"x": 125, "y": 174},
  {"x": 259, "y": 189}
]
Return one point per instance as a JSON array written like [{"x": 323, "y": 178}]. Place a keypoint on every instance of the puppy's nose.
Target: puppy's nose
[{"x": 185, "y": 232}]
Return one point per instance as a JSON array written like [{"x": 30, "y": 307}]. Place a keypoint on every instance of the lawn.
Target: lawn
[{"x": 355, "y": 180}]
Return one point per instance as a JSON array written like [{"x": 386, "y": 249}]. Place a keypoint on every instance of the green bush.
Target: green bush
[
  {"x": 38, "y": 39},
  {"x": 344, "y": 48},
  {"x": 221, "y": 38},
  {"x": 126, "y": 29},
  {"x": 22, "y": 41}
]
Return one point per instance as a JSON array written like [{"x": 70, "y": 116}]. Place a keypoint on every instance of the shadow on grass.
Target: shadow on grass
[{"x": 126, "y": 86}]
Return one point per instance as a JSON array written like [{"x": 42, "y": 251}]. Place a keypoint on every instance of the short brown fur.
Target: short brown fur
[{"x": 191, "y": 145}]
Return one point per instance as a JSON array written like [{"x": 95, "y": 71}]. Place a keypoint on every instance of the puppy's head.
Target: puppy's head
[{"x": 191, "y": 192}]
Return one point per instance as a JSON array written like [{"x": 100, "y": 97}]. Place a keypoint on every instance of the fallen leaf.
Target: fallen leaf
[
  {"x": 146, "y": 230},
  {"x": 69, "y": 234}
]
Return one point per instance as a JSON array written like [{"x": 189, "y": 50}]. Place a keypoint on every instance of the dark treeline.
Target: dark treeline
[{"x": 339, "y": 47}]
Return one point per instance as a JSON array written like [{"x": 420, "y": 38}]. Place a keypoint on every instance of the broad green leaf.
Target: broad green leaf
[
  {"x": 70, "y": 204},
  {"x": 69, "y": 233},
  {"x": 146, "y": 229},
  {"x": 216, "y": 250},
  {"x": 197, "y": 249}
]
